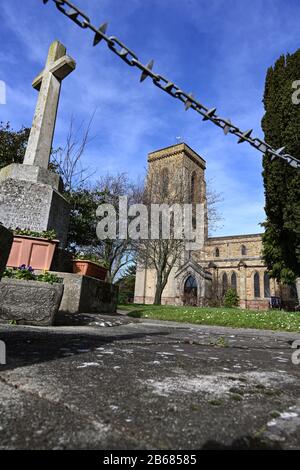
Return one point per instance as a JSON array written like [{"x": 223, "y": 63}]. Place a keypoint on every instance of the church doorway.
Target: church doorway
[{"x": 190, "y": 295}]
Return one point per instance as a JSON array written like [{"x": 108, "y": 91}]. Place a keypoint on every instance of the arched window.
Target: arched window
[
  {"x": 217, "y": 253},
  {"x": 193, "y": 186},
  {"x": 224, "y": 283},
  {"x": 234, "y": 281},
  {"x": 190, "y": 291},
  {"x": 190, "y": 284},
  {"x": 165, "y": 182},
  {"x": 267, "y": 292},
  {"x": 256, "y": 283},
  {"x": 243, "y": 250}
]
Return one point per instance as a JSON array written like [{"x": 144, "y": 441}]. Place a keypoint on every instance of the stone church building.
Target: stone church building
[{"x": 202, "y": 278}]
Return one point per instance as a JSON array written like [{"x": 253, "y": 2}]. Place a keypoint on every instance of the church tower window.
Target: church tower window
[
  {"x": 165, "y": 182},
  {"x": 193, "y": 187}
]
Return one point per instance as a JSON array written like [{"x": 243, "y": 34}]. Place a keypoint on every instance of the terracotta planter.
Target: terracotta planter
[
  {"x": 31, "y": 251},
  {"x": 88, "y": 268}
]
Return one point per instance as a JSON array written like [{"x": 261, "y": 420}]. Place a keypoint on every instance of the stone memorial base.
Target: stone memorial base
[
  {"x": 6, "y": 239},
  {"x": 29, "y": 302},
  {"x": 84, "y": 294},
  {"x": 30, "y": 199}
]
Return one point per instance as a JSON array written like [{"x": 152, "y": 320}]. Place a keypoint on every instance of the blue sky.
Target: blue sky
[{"x": 217, "y": 49}]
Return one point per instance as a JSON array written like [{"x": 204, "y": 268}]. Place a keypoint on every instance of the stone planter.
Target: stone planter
[
  {"x": 6, "y": 239},
  {"x": 84, "y": 294},
  {"x": 29, "y": 302},
  {"x": 88, "y": 268},
  {"x": 31, "y": 251}
]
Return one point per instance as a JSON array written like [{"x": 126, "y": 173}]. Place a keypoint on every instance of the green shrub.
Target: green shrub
[
  {"x": 26, "y": 273},
  {"x": 89, "y": 257},
  {"x": 231, "y": 298},
  {"x": 125, "y": 298},
  {"x": 48, "y": 234},
  {"x": 50, "y": 278}
]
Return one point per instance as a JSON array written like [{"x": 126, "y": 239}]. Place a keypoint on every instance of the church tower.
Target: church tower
[
  {"x": 180, "y": 163},
  {"x": 176, "y": 174}
]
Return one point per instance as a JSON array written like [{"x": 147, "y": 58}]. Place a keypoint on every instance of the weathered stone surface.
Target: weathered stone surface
[
  {"x": 83, "y": 294},
  {"x": 29, "y": 302},
  {"x": 34, "y": 206},
  {"x": 32, "y": 173},
  {"x": 6, "y": 239},
  {"x": 148, "y": 385}
]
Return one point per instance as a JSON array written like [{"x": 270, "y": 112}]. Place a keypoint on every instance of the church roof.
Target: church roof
[
  {"x": 175, "y": 150},
  {"x": 194, "y": 266}
]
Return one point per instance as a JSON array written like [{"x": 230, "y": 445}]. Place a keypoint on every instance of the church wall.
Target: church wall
[
  {"x": 145, "y": 288},
  {"x": 244, "y": 264},
  {"x": 231, "y": 247}
]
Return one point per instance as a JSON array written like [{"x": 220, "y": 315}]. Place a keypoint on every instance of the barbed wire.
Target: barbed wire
[{"x": 188, "y": 99}]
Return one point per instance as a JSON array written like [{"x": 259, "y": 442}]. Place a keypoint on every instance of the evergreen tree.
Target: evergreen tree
[
  {"x": 281, "y": 125},
  {"x": 12, "y": 144}
]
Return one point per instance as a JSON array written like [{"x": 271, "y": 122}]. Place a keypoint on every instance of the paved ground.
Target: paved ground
[{"x": 116, "y": 383}]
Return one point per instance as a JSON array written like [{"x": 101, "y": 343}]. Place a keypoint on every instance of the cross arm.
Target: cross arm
[
  {"x": 60, "y": 69},
  {"x": 63, "y": 67}
]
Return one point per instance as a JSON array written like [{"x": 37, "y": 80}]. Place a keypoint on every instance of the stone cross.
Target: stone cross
[{"x": 48, "y": 83}]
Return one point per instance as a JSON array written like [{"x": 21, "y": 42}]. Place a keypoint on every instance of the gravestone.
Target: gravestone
[
  {"x": 6, "y": 239},
  {"x": 30, "y": 195}
]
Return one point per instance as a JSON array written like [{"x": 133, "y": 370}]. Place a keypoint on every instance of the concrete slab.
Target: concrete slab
[{"x": 148, "y": 385}]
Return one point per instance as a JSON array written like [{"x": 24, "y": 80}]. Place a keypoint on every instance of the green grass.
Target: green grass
[{"x": 232, "y": 317}]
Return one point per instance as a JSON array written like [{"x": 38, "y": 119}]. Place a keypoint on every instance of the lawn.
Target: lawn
[{"x": 233, "y": 317}]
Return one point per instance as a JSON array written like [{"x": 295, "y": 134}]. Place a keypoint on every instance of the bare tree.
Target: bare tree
[
  {"x": 162, "y": 256},
  {"x": 167, "y": 187},
  {"x": 117, "y": 254},
  {"x": 214, "y": 216},
  {"x": 67, "y": 161}
]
